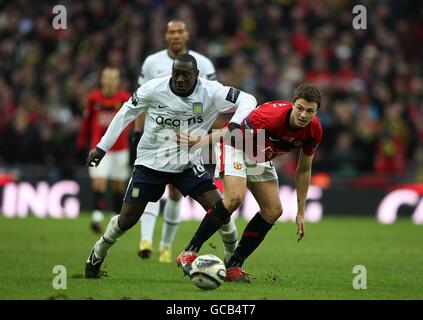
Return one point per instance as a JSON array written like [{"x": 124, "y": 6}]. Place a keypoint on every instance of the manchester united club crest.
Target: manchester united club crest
[{"x": 237, "y": 165}]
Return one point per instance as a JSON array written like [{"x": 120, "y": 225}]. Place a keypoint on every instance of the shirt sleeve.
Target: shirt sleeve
[
  {"x": 145, "y": 74},
  {"x": 209, "y": 70},
  {"x": 229, "y": 99},
  {"x": 261, "y": 118},
  {"x": 129, "y": 111}
]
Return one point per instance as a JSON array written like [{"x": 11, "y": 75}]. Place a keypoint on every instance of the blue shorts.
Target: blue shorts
[{"x": 148, "y": 185}]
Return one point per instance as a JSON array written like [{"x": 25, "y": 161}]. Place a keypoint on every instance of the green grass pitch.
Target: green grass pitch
[{"x": 319, "y": 267}]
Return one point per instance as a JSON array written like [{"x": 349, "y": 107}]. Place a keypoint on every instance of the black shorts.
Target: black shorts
[{"x": 148, "y": 185}]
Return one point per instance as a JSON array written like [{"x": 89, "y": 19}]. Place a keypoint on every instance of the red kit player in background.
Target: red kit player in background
[{"x": 102, "y": 105}]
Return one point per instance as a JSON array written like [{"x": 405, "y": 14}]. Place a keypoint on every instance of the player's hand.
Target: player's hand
[
  {"x": 95, "y": 157},
  {"x": 183, "y": 138},
  {"x": 300, "y": 226}
]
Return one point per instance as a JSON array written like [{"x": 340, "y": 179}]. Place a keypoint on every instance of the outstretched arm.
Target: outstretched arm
[
  {"x": 302, "y": 182},
  {"x": 128, "y": 113},
  {"x": 130, "y": 110},
  {"x": 200, "y": 141}
]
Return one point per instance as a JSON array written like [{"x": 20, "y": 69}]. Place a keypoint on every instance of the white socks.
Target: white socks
[
  {"x": 171, "y": 221},
  {"x": 148, "y": 220},
  {"x": 229, "y": 235},
  {"x": 112, "y": 234}
]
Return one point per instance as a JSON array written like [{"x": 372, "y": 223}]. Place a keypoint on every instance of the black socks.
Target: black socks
[
  {"x": 253, "y": 235},
  {"x": 99, "y": 200},
  {"x": 214, "y": 219}
]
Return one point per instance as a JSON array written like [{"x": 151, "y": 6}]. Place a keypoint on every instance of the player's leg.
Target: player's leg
[
  {"x": 100, "y": 175},
  {"x": 199, "y": 185},
  {"x": 118, "y": 190},
  {"x": 148, "y": 222},
  {"x": 267, "y": 195},
  {"x": 171, "y": 219},
  {"x": 233, "y": 169},
  {"x": 116, "y": 228},
  {"x": 234, "y": 192},
  {"x": 219, "y": 213},
  {"x": 145, "y": 185},
  {"x": 99, "y": 187},
  {"x": 229, "y": 235},
  {"x": 119, "y": 175},
  {"x": 208, "y": 226}
]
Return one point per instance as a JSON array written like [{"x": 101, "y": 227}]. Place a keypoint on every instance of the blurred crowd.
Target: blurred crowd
[{"x": 372, "y": 80}]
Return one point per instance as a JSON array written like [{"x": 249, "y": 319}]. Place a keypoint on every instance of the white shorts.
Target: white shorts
[
  {"x": 114, "y": 166},
  {"x": 235, "y": 163}
]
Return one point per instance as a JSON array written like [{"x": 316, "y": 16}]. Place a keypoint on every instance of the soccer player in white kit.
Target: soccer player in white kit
[
  {"x": 158, "y": 65},
  {"x": 182, "y": 102}
]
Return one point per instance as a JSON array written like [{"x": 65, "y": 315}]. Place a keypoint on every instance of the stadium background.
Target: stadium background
[
  {"x": 372, "y": 82},
  {"x": 371, "y": 79}
]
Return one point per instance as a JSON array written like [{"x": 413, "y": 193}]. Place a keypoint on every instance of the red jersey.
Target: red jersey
[
  {"x": 99, "y": 112},
  {"x": 280, "y": 137}
]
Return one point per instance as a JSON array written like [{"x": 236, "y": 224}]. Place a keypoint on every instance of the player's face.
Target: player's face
[
  {"x": 303, "y": 113},
  {"x": 183, "y": 76},
  {"x": 176, "y": 37},
  {"x": 110, "y": 80}
]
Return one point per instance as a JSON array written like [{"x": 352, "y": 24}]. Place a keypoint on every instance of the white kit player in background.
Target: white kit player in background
[
  {"x": 171, "y": 102},
  {"x": 158, "y": 65}
]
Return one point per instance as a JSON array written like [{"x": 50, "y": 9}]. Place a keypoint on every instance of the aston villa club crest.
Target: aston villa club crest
[{"x": 197, "y": 107}]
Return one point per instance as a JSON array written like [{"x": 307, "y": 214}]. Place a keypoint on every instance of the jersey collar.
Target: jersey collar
[{"x": 182, "y": 95}]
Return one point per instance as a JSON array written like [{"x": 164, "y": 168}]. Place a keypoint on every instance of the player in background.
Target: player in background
[
  {"x": 287, "y": 126},
  {"x": 158, "y": 65},
  {"x": 181, "y": 102},
  {"x": 102, "y": 105}
]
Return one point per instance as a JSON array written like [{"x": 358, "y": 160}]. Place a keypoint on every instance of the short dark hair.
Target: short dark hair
[
  {"x": 186, "y": 57},
  {"x": 308, "y": 92}
]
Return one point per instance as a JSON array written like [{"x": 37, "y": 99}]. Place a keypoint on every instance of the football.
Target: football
[{"x": 208, "y": 272}]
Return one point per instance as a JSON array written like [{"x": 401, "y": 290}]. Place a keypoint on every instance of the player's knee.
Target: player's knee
[
  {"x": 99, "y": 185},
  {"x": 118, "y": 186},
  {"x": 174, "y": 194},
  {"x": 128, "y": 218},
  {"x": 233, "y": 201},
  {"x": 271, "y": 214},
  {"x": 126, "y": 222}
]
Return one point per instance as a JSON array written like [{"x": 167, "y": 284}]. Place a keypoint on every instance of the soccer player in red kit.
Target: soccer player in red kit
[
  {"x": 102, "y": 105},
  {"x": 283, "y": 127}
]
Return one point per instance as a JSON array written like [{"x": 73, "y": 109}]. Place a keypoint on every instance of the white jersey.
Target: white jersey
[
  {"x": 160, "y": 64},
  {"x": 168, "y": 114}
]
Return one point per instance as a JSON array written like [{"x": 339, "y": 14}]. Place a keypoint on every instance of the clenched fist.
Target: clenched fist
[{"x": 95, "y": 157}]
